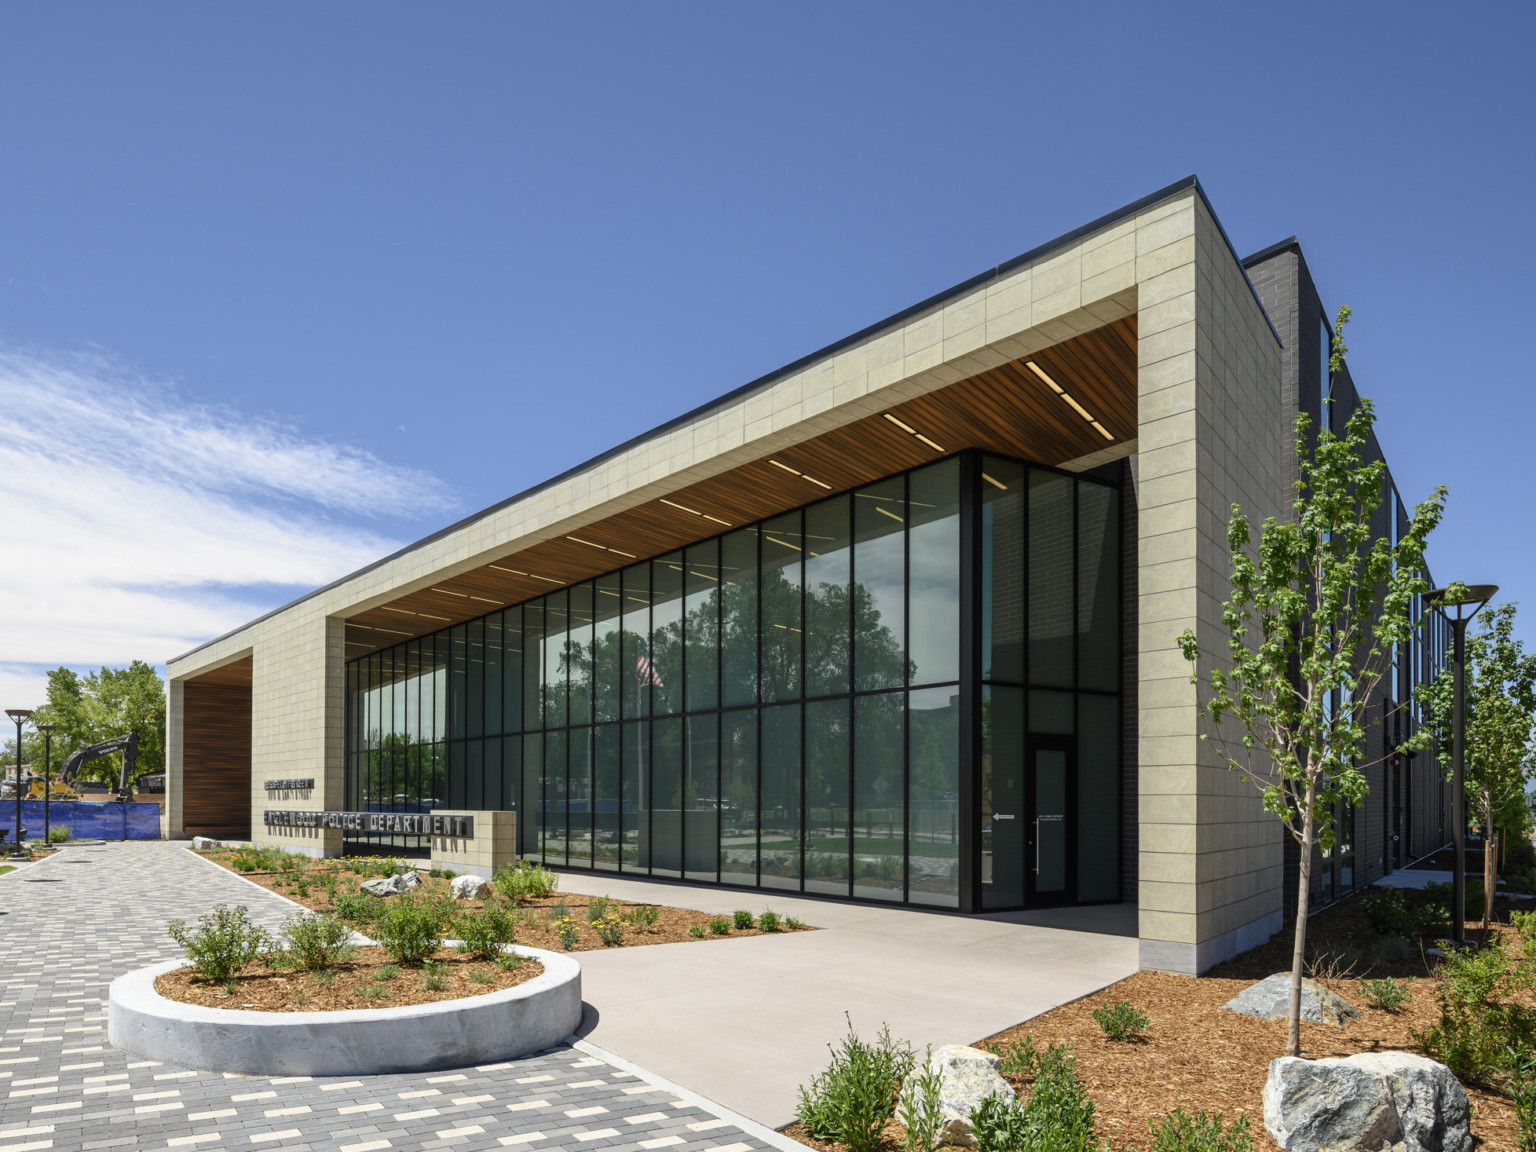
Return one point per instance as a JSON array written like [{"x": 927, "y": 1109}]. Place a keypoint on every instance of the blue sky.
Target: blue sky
[{"x": 341, "y": 272}]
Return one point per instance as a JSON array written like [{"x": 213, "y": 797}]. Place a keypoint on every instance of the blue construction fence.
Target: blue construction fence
[{"x": 86, "y": 820}]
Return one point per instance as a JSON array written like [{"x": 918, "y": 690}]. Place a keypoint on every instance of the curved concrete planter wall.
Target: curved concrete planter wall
[{"x": 448, "y": 1033}]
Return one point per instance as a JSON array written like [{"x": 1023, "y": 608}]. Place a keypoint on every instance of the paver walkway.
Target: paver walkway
[{"x": 73, "y": 922}]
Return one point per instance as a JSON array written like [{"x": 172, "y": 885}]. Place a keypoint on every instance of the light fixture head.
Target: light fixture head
[
  {"x": 46, "y": 729},
  {"x": 18, "y": 714},
  {"x": 1462, "y": 599}
]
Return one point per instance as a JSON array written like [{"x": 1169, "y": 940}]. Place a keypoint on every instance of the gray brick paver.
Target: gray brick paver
[{"x": 92, "y": 913}]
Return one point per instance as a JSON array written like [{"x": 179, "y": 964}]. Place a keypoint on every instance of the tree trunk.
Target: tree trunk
[
  {"x": 1299, "y": 949},
  {"x": 1490, "y": 866}
]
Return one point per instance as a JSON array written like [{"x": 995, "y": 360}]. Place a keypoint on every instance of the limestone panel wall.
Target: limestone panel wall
[
  {"x": 297, "y": 718},
  {"x": 1211, "y": 420}
]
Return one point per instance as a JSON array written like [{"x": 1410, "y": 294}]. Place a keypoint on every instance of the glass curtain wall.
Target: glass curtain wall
[
  {"x": 1050, "y": 683},
  {"x": 776, "y": 707}
]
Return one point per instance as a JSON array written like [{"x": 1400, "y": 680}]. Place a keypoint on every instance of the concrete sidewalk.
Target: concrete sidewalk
[{"x": 744, "y": 1022}]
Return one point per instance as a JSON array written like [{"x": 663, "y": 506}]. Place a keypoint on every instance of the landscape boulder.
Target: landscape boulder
[
  {"x": 468, "y": 888},
  {"x": 203, "y": 843},
  {"x": 1270, "y": 999},
  {"x": 967, "y": 1077},
  {"x": 395, "y": 885},
  {"x": 1366, "y": 1103}
]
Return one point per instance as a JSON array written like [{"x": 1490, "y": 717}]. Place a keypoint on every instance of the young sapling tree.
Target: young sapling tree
[{"x": 1317, "y": 606}]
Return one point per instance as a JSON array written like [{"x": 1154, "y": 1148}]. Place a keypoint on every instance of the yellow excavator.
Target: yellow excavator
[{"x": 64, "y": 787}]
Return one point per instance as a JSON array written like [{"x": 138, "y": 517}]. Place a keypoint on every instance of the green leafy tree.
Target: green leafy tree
[
  {"x": 98, "y": 706},
  {"x": 1316, "y": 609},
  {"x": 1501, "y": 704}
]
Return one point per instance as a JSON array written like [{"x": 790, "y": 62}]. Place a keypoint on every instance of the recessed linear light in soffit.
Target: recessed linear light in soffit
[{"x": 1068, "y": 397}]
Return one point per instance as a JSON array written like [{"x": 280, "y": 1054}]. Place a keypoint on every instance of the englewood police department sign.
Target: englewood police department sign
[
  {"x": 405, "y": 823},
  {"x": 306, "y": 785}
]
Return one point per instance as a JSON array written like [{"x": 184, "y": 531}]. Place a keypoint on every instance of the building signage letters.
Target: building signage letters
[
  {"x": 404, "y": 823},
  {"x": 289, "y": 785}
]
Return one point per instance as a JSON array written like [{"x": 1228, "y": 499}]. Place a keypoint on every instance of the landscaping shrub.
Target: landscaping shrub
[
  {"x": 720, "y": 926},
  {"x": 434, "y": 976},
  {"x": 1200, "y": 1133},
  {"x": 742, "y": 919},
  {"x": 998, "y": 1125},
  {"x": 1481, "y": 1029},
  {"x": 483, "y": 934},
  {"x": 410, "y": 929},
  {"x": 1389, "y": 995},
  {"x": 793, "y": 922},
  {"x": 1122, "y": 1022},
  {"x": 1525, "y": 924},
  {"x": 570, "y": 935},
  {"x": 1522, "y": 1092},
  {"x": 921, "y": 1112},
  {"x": 262, "y": 860},
  {"x": 58, "y": 833},
  {"x": 526, "y": 881},
  {"x": 610, "y": 930},
  {"x": 358, "y": 907},
  {"x": 1059, "y": 1115},
  {"x": 1436, "y": 909},
  {"x": 644, "y": 916},
  {"x": 696, "y": 931},
  {"x": 1016, "y": 1058},
  {"x": 597, "y": 908},
  {"x": 441, "y": 873},
  {"x": 223, "y": 942},
  {"x": 851, "y": 1101},
  {"x": 768, "y": 921},
  {"x": 313, "y": 941},
  {"x": 1386, "y": 913}
]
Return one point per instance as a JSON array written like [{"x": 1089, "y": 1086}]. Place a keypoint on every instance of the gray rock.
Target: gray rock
[
  {"x": 396, "y": 885},
  {"x": 203, "y": 843},
  {"x": 1366, "y": 1103},
  {"x": 468, "y": 888},
  {"x": 1270, "y": 999},
  {"x": 968, "y": 1076}
]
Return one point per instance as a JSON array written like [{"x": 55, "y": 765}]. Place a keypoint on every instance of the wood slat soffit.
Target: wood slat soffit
[{"x": 1057, "y": 405}]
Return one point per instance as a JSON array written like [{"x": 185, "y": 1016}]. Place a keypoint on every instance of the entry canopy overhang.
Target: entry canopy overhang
[{"x": 1071, "y": 401}]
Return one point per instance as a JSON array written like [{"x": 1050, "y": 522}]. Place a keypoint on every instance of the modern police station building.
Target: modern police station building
[{"x": 894, "y": 623}]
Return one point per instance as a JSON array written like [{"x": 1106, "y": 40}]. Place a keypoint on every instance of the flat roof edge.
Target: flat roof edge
[{"x": 996, "y": 272}]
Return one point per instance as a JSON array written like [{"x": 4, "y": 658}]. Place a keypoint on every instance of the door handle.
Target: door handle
[{"x": 1037, "y": 845}]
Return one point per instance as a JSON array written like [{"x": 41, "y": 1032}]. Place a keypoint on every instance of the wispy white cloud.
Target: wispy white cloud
[{"x": 137, "y": 525}]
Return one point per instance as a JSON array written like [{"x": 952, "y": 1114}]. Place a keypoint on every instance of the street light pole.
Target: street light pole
[
  {"x": 47, "y": 730},
  {"x": 1466, "y": 605},
  {"x": 19, "y": 715}
]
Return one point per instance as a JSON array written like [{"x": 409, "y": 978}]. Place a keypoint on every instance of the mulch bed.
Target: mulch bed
[
  {"x": 538, "y": 915},
  {"x": 370, "y": 980},
  {"x": 1203, "y": 1059}
]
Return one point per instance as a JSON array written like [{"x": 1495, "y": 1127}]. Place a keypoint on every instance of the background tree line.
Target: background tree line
[{"x": 95, "y": 707}]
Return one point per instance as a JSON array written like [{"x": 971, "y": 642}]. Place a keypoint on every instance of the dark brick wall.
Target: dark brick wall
[{"x": 1285, "y": 287}]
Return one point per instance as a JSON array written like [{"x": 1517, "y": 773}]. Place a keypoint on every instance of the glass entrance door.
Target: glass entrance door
[
  {"x": 1049, "y": 874},
  {"x": 1004, "y": 813}
]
